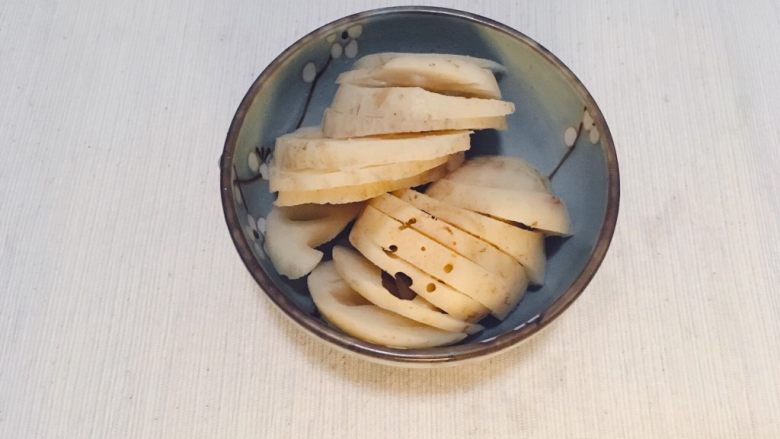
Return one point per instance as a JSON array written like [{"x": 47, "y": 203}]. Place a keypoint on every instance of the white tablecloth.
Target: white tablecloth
[{"x": 125, "y": 311}]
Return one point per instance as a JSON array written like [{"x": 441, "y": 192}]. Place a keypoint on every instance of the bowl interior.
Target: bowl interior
[{"x": 553, "y": 112}]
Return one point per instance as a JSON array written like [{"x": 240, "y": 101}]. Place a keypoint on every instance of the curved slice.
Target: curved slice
[
  {"x": 281, "y": 180},
  {"x": 341, "y": 125},
  {"x": 379, "y": 59},
  {"x": 349, "y": 194},
  {"x": 366, "y": 279},
  {"x": 444, "y": 297},
  {"x": 455, "y": 239},
  {"x": 539, "y": 210},
  {"x": 498, "y": 294},
  {"x": 413, "y": 103},
  {"x": 526, "y": 246},
  {"x": 447, "y": 75},
  {"x": 500, "y": 172},
  {"x": 307, "y": 148},
  {"x": 290, "y": 243},
  {"x": 351, "y": 313}
]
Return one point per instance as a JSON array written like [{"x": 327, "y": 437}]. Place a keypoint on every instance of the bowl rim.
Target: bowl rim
[{"x": 446, "y": 354}]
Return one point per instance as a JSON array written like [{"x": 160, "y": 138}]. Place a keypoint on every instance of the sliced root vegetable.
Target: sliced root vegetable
[
  {"x": 444, "y": 297},
  {"x": 500, "y": 172},
  {"x": 353, "y": 314},
  {"x": 307, "y": 148},
  {"x": 366, "y": 279},
  {"x": 379, "y": 59},
  {"x": 349, "y": 194},
  {"x": 290, "y": 243},
  {"x": 450, "y": 236},
  {"x": 446, "y": 75},
  {"x": 526, "y": 246},
  {"x": 341, "y": 125},
  {"x": 413, "y": 103},
  {"x": 497, "y": 294},
  {"x": 538, "y": 210},
  {"x": 281, "y": 180}
]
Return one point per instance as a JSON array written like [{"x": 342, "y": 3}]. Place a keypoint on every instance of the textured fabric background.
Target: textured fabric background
[{"x": 125, "y": 312}]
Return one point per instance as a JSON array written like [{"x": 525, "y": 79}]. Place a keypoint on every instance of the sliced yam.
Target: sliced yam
[
  {"x": 495, "y": 293},
  {"x": 353, "y": 314},
  {"x": 526, "y": 246},
  {"x": 307, "y": 148},
  {"x": 379, "y": 59},
  {"x": 413, "y": 103},
  {"x": 455, "y": 239},
  {"x": 366, "y": 279},
  {"x": 281, "y": 180},
  {"x": 446, "y": 75},
  {"x": 349, "y": 194},
  {"x": 342, "y": 125},
  {"x": 500, "y": 172},
  {"x": 444, "y": 297},
  {"x": 538, "y": 210},
  {"x": 290, "y": 244}
]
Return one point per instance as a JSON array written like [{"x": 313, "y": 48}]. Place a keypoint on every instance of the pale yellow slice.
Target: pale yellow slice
[
  {"x": 365, "y": 278},
  {"x": 500, "y": 172},
  {"x": 379, "y": 59},
  {"x": 413, "y": 103},
  {"x": 349, "y": 194},
  {"x": 444, "y": 297},
  {"x": 341, "y": 125},
  {"x": 353, "y": 314},
  {"x": 308, "y": 149},
  {"x": 444, "y": 75},
  {"x": 538, "y": 210},
  {"x": 306, "y": 180},
  {"x": 497, "y": 294},
  {"x": 457, "y": 240},
  {"x": 290, "y": 243},
  {"x": 526, "y": 246}
]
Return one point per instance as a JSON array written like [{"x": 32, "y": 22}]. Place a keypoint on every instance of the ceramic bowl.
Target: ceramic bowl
[{"x": 557, "y": 127}]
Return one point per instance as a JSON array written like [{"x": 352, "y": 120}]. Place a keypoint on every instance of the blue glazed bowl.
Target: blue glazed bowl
[{"x": 557, "y": 127}]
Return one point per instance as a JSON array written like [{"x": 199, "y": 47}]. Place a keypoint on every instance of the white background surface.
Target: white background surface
[{"x": 126, "y": 312}]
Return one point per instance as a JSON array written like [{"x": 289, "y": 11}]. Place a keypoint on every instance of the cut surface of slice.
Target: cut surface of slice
[
  {"x": 413, "y": 103},
  {"x": 341, "y": 125},
  {"x": 314, "y": 180},
  {"x": 526, "y": 246},
  {"x": 450, "y": 236},
  {"x": 307, "y": 149},
  {"x": 353, "y": 314},
  {"x": 538, "y": 210},
  {"x": 497, "y": 294},
  {"x": 290, "y": 243},
  {"x": 444, "y": 297},
  {"x": 379, "y": 59},
  {"x": 349, "y": 194},
  {"x": 365, "y": 278},
  {"x": 500, "y": 172},
  {"x": 445, "y": 75}
]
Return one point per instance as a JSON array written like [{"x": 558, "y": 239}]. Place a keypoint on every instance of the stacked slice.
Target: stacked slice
[
  {"x": 396, "y": 121},
  {"x": 363, "y": 111},
  {"x": 348, "y": 310},
  {"x": 506, "y": 188},
  {"x": 309, "y": 168},
  {"x": 457, "y": 264}
]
